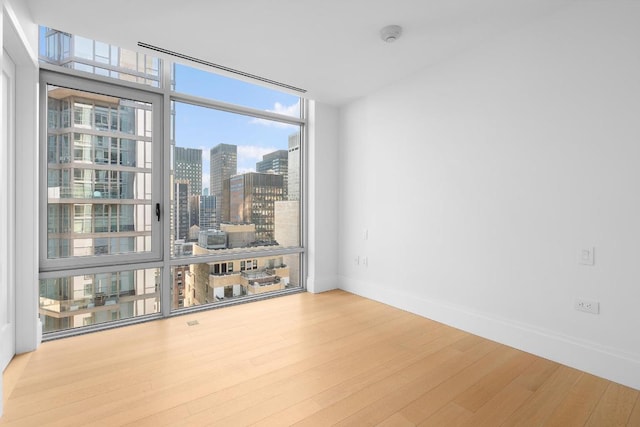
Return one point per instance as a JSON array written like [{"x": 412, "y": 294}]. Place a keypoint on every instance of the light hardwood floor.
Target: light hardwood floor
[{"x": 304, "y": 359}]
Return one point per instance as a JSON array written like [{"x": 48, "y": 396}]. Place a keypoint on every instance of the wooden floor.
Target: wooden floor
[{"x": 304, "y": 359}]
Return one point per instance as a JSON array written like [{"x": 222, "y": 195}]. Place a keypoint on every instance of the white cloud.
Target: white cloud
[
  {"x": 253, "y": 153},
  {"x": 292, "y": 110},
  {"x": 245, "y": 170}
]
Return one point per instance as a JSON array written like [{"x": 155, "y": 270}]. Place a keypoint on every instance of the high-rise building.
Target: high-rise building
[
  {"x": 181, "y": 210},
  {"x": 250, "y": 197},
  {"x": 187, "y": 166},
  {"x": 194, "y": 209},
  {"x": 276, "y": 162},
  {"x": 293, "y": 167},
  {"x": 91, "y": 148},
  {"x": 93, "y": 208},
  {"x": 207, "y": 213},
  {"x": 222, "y": 166}
]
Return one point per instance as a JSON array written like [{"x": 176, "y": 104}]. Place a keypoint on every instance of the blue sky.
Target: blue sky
[{"x": 204, "y": 128}]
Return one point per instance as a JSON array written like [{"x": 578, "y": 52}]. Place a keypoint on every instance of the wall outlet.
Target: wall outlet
[
  {"x": 586, "y": 256},
  {"x": 587, "y": 306}
]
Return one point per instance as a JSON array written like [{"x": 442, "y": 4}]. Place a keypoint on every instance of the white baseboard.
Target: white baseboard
[
  {"x": 612, "y": 364},
  {"x": 321, "y": 284}
]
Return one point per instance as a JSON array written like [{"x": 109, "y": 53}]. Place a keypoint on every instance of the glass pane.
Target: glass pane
[
  {"x": 216, "y": 282},
  {"x": 196, "y": 82},
  {"x": 240, "y": 190},
  {"x": 77, "y": 301},
  {"x": 80, "y": 53},
  {"x": 98, "y": 175}
]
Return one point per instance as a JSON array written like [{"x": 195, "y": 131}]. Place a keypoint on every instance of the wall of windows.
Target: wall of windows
[{"x": 169, "y": 188}]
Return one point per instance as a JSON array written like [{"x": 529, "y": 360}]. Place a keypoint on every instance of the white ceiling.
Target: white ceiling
[{"x": 331, "y": 48}]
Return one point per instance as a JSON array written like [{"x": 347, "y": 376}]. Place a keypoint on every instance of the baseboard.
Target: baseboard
[
  {"x": 590, "y": 357},
  {"x": 321, "y": 284}
]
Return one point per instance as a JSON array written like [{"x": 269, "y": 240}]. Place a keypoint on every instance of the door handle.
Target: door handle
[{"x": 158, "y": 211}]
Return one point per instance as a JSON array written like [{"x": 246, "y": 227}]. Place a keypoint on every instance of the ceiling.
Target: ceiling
[{"x": 332, "y": 48}]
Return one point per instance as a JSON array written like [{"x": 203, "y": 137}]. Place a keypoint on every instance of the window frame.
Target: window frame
[
  {"x": 65, "y": 78},
  {"x": 161, "y": 98}
]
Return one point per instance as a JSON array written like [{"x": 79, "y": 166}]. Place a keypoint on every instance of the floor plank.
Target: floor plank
[{"x": 307, "y": 360}]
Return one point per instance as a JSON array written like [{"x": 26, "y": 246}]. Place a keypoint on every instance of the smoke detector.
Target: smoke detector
[{"x": 391, "y": 33}]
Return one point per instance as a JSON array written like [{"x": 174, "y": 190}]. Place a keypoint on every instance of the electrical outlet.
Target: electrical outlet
[
  {"x": 587, "y": 306},
  {"x": 586, "y": 256}
]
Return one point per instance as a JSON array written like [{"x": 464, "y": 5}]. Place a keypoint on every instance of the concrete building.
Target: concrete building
[{"x": 219, "y": 281}]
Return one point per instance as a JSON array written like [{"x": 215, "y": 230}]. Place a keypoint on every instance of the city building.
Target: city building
[
  {"x": 194, "y": 210},
  {"x": 219, "y": 281},
  {"x": 93, "y": 178},
  {"x": 187, "y": 167},
  {"x": 251, "y": 199},
  {"x": 239, "y": 235},
  {"x": 287, "y": 233},
  {"x": 212, "y": 239},
  {"x": 207, "y": 213},
  {"x": 179, "y": 273},
  {"x": 276, "y": 162},
  {"x": 293, "y": 167},
  {"x": 222, "y": 166},
  {"x": 181, "y": 210}
]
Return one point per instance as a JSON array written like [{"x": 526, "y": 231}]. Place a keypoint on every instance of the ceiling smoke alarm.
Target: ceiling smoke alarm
[{"x": 391, "y": 33}]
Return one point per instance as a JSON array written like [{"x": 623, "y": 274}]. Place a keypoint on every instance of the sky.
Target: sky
[{"x": 204, "y": 128}]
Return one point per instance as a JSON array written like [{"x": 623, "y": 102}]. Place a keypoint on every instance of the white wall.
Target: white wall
[
  {"x": 322, "y": 188},
  {"x": 18, "y": 35},
  {"x": 20, "y": 39},
  {"x": 479, "y": 181}
]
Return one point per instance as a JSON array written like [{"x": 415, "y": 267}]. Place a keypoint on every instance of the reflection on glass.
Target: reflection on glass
[
  {"x": 92, "y": 56},
  {"x": 222, "y": 281},
  {"x": 241, "y": 190},
  {"x": 98, "y": 175},
  {"x": 76, "y": 301}
]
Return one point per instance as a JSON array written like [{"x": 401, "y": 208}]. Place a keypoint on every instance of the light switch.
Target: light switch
[{"x": 586, "y": 256}]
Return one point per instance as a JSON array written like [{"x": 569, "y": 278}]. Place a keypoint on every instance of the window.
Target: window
[
  {"x": 103, "y": 214},
  {"x": 162, "y": 197}
]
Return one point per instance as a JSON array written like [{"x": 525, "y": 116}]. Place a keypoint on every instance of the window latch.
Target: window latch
[{"x": 158, "y": 211}]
